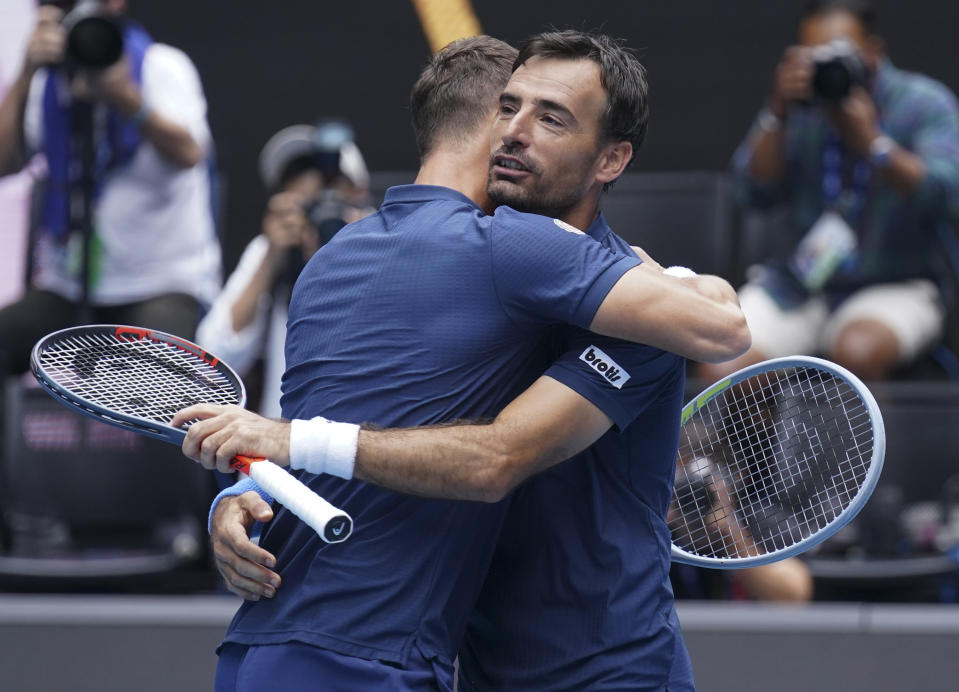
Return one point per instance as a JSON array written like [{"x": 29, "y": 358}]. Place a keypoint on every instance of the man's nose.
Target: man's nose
[{"x": 517, "y": 129}]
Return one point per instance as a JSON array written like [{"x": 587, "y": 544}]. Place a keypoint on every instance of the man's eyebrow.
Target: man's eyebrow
[
  {"x": 546, "y": 104},
  {"x": 542, "y": 104}
]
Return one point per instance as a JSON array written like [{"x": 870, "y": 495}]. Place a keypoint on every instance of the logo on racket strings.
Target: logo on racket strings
[{"x": 610, "y": 370}]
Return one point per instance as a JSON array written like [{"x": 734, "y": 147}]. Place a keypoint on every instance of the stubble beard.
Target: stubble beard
[{"x": 537, "y": 199}]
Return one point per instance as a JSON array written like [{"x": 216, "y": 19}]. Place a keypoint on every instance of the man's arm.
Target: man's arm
[
  {"x": 45, "y": 47},
  {"x": 696, "y": 317},
  {"x": 545, "y": 425},
  {"x": 12, "y": 150},
  {"x": 115, "y": 87}
]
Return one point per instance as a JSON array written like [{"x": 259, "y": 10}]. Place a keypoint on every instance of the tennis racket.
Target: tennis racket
[
  {"x": 138, "y": 379},
  {"x": 772, "y": 461}
]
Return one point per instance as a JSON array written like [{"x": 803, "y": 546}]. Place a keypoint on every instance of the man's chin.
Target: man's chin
[{"x": 508, "y": 193}]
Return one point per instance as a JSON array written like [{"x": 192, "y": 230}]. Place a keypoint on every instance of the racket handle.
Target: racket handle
[{"x": 333, "y": 525}]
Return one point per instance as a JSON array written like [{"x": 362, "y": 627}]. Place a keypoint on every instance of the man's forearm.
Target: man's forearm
[
  {"x": 173, "y": 142},
  {"x": 905, "y": 170},
  {"x": 546, "y": 424},
  {"x": 767, "y": 165},
  {"x": 12, "y": 150},
  {"x": 697, "y": 318},
  {"x": 466, "y": 461}
]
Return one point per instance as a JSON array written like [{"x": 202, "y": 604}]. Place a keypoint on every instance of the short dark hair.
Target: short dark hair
[
  {"x": 458, "y": 89},
  {"x": 863, "y": 10},
  {"x": 622, "y": 75}
]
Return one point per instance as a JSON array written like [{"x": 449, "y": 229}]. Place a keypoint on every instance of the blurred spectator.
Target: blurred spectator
[
  {"x": 153, "y": 258},
  {"x": 16, "y": 23},
  {"x": 124, "y": 230},
  {"x": 319, "y": 183},
  {"x": 866, "y": 156},
  {"x": 788, "y": 580}
]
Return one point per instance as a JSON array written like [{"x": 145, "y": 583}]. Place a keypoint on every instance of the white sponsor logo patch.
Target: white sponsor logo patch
[
  {"x": 567, "y": 227},
  {"x": 611, "y": 371}
]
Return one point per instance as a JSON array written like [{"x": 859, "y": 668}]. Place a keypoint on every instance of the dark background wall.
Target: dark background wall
[{"x": 266, "y": 65}]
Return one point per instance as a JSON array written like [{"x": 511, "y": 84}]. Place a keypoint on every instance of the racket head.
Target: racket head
[
  {"x": 131, "y": 377},
  {"x": 772, "y": 461}
]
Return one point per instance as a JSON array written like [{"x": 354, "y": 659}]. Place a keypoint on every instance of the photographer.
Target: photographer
[
  {"x": 124, "y": 231},
  {"x": 319, "y": 183},
  {"x": 866, "y": 159}
]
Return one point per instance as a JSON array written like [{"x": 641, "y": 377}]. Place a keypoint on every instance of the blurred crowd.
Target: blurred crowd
[{"x": 110, "y": 214}]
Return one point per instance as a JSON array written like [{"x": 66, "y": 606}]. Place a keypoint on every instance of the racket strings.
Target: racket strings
[
  {"x": 147, "y": 379},
  {"x": 768, "y": 463}
]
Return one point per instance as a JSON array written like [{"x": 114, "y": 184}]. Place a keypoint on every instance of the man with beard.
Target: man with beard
[{"x": 457, "y": 339}]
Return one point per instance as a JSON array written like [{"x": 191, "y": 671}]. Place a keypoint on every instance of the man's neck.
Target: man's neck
[
  {"x": 585, "y": 212},
  {"x": 461, "y": 168}
]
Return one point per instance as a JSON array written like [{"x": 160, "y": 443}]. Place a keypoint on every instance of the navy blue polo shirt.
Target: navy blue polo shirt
[
  {"x": 427, "y": 311},
  {"x": 578, "y": 594}
]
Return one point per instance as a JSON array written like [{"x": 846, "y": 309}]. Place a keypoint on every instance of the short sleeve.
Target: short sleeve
[
  {"x": 546, "y": 271},
  {"x": 619, "y": 378},
  {"x": 171, "y": 87}
]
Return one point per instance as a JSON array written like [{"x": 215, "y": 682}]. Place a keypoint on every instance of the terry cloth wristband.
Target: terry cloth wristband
[
  {"x": 679, "y": 272},
  {"x": 319, "y": 445},
  {"x": 241, "y": 486}
]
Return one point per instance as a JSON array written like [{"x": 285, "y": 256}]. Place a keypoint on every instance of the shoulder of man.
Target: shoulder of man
[
  {"x": 918, "y": 90},
  {"x": 506, "y": 218}
]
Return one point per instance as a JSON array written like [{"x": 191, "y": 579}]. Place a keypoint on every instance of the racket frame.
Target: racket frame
[
  {"x": 331, "y": 524},
  {"x": 848, "y": 513},
  {"x": 137, "y": 424}
]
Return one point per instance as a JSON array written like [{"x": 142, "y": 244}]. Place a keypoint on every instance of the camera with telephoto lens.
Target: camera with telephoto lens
[
  {"x": 94, "y": 36},
  {"x": 328, "y": 213},
  {"x": 837, "y": 68}
]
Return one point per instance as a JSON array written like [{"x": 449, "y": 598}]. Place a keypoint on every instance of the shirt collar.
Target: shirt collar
[
  {"x": 404, "y": 194},
  {"x": 599, "y": 229}
]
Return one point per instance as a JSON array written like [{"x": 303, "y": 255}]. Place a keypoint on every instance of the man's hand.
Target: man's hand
[
  {"x": 856, "y": 120},
  {"x": 47, "y": 44},
  {"x": 112, "y": 85},
  {"x": 792, "y": 81},
  {"x": 223, "y": 432},
  {"x": 245, "y": 567},
  {"x": 285, "y": 224}
]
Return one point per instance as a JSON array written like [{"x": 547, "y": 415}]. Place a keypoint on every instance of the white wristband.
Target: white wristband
[
  {"x": 323, "y": 446},
  {"x": 769, "y": 121},
  {"x": 679, "y": 272}
]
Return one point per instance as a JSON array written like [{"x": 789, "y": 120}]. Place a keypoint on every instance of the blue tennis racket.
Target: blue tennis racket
[
  {"x": 772, "y": 461},
  {"x": 137, "y": 379}
]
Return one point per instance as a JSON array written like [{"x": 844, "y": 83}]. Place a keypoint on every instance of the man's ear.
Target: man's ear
[{"x": 613, "y": 161}]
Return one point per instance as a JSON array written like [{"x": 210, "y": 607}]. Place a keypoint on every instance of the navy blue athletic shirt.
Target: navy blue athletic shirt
[
  {"x": 578, "y": 594},
  {"x": 424, "y": 312}
]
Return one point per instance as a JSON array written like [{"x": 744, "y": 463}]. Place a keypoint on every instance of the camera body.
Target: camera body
[
  {"x": 327, "y": 214},
  {"x": 837, "y": 68}
]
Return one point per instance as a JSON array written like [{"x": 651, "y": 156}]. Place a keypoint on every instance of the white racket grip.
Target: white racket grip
[{"x": 333, "y": 525}]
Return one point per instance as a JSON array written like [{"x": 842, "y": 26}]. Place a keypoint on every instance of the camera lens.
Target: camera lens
[
  {"x": 832, "y": 80},
  {"x": 95, "y": 42}
]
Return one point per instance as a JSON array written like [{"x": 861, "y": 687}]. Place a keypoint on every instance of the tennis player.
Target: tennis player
[{"x": 458, "y": 338}]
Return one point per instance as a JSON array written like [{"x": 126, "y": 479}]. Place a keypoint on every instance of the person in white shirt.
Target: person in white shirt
[
  {"x": 319, "y": 182},
  {"x": 152, "y": 252}
]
